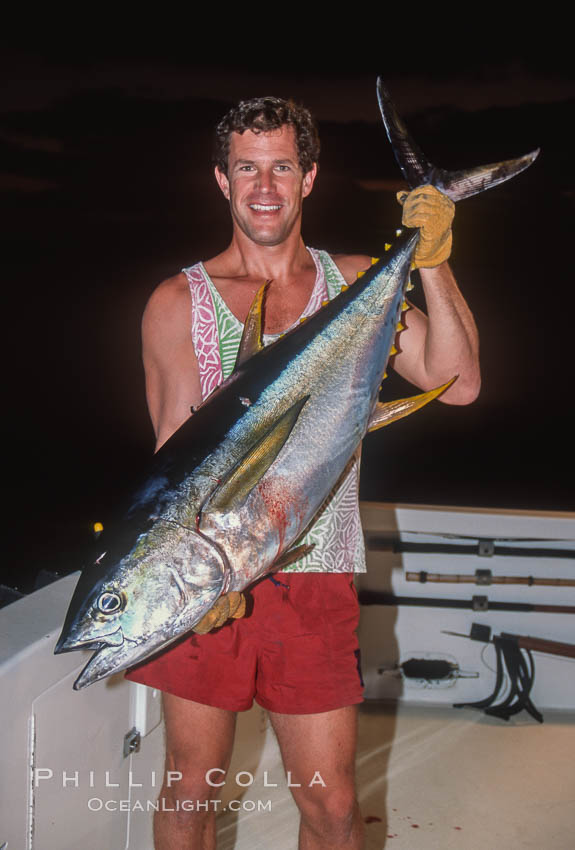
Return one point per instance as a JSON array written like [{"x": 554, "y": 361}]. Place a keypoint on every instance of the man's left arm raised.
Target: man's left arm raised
[{"x": 435, "y": 347}]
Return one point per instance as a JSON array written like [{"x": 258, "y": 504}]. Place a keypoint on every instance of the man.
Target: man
[{"x": 296, "y": 650}]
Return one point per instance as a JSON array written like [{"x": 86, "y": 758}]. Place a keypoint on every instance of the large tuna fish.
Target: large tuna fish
[{"x": 230, "y": 493}]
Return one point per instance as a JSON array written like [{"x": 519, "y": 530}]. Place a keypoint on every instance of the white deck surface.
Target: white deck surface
[
  {"x": 429, "y": 776},
  {"x": 434, "y": 778}
]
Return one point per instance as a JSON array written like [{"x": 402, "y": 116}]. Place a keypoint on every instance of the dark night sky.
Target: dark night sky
[{"x": 106, "y": 188}]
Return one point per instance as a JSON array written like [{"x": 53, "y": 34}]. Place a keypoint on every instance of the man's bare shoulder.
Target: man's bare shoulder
[
  {"x": 169, "y": 303},
  {"x": 350, "y": 264},
  {"x": 170, "y": 291}
]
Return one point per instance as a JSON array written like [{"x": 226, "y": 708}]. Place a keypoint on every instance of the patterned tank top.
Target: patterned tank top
[{"x": 216, "y": 333}]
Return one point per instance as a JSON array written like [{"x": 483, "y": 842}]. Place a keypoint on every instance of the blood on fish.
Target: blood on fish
[
  {"x": 271, "y": 495},
  {"x": 372, "y": 819},
  {"x": 275, "y": 494}
]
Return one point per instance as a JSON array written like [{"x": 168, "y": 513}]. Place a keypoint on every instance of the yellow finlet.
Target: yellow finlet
[
  {"x": 405, "y": 306},
  {"x": 325, "y": 303},
  {"x": 345, "y": 287},
  {"x": 400, "y": 327},
  {"x": 374, "y": 260},
  {"x": 302, "y": 319},
  {"x": 97, "y": 528},
  {"x": 393, "y": 351},
  {"x": 387, "y": 246},
  {"x": 360, "y": 274}
]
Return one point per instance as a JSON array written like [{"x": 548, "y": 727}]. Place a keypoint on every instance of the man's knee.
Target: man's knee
[{"x": 328, "y": 810}]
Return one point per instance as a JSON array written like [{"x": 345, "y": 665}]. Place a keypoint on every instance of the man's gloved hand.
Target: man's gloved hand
[
  {"x": 432, "y": 211},
  {"x": 232, "y": 604}
]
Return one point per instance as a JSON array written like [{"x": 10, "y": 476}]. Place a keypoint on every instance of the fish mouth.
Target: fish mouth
[
  {"x": 68, "y": 643},
  {"x": 98, "y": 667}
]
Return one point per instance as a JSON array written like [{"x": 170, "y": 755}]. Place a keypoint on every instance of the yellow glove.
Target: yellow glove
[
  {"x": 232, "y": 604},
  {"x": 432, "y": 211}
]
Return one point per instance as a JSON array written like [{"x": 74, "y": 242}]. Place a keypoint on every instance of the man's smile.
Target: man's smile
[{"x": 265, "y": 207}]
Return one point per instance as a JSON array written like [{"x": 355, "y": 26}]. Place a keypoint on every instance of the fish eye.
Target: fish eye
[{"x": 109, "y": 602}]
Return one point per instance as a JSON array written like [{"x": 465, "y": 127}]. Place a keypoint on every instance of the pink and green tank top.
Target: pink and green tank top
[{"x": 216, "y": 334}]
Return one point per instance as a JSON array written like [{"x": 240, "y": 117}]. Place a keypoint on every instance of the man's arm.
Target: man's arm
[
  {"x": 433, "y": 348},
  {"x": 170, "y": 364}
]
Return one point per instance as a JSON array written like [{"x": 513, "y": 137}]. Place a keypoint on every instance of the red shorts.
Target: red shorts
[{"x": 295, "y": 652}]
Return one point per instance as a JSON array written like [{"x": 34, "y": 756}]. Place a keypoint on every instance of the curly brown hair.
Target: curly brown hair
[{"x": 262, "y": 114}]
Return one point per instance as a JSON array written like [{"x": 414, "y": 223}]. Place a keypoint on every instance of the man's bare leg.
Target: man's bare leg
[
  {"x": 323, "y": 744},
  {"x": 198, "y": 738}
]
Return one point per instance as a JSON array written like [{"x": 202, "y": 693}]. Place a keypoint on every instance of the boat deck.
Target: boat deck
[
  {"x": 432, "y": 777},
  {"x": 429, "y": 775}
]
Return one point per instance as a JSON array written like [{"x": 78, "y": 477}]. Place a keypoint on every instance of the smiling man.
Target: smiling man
[
  {"x": 265, "y": 186},
  {"x": 295, "y": 651}
]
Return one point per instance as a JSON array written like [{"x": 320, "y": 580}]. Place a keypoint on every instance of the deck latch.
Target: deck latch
[
  {"x": 486, "y": 548},
  {"x": 132, "y": 740}
]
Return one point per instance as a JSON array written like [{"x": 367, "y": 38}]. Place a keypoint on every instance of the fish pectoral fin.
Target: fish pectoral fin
[
  {"x": 251, "y": 341},
  {"x": 384, "y": 413},
  {"x": 234, "y": 489},
  {"x": 292, "y": 555}
]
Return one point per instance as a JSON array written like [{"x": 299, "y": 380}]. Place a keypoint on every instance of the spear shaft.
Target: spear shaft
[
  {"x": 486, "y": 577},
  {"x": 476, "y": 603}
]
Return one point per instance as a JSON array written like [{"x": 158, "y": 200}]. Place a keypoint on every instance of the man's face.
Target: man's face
[{"x": 265, "y": 184}]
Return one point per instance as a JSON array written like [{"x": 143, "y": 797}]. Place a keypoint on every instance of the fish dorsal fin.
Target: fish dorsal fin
[
  {"x": 235, "y": 487},
  {"x": 251, "y": 341},
  {"x": 384, "y": 413}
]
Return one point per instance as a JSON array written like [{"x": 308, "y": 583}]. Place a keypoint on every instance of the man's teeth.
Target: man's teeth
[{"x": 265, "y": 207}]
